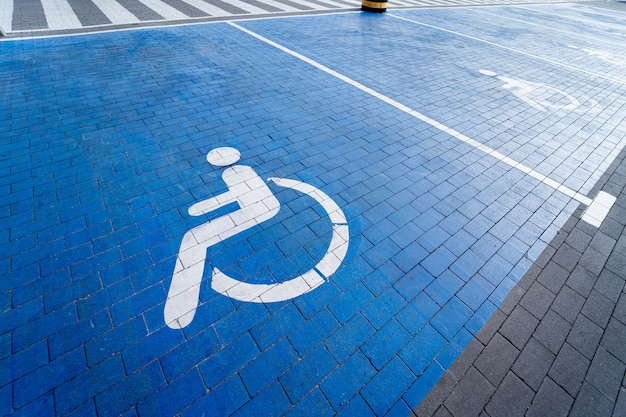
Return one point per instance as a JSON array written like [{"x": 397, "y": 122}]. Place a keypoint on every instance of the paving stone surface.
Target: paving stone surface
[{"x": 574, "y": 362}]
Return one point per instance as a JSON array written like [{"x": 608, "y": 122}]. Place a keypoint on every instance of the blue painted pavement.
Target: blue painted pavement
[{"x": 104, "y": 145}]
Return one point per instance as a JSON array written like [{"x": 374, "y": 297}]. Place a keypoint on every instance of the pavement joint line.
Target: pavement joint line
[
  {"x": 464, "y": 138},
  {"x": 518, "y": 51}
]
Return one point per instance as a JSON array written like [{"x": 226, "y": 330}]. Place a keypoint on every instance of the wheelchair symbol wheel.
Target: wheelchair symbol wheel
[{"x": 328, "y": 265}]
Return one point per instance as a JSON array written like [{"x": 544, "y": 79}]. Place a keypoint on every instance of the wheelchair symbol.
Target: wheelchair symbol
[
  {"x": 544, "y": 97},
  {"x": 257, "y": 204}
]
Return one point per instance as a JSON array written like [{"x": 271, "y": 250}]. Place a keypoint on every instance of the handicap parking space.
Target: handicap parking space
[
  {"x": 361, "y": 226},
  {"x": 474, "y": 83}
]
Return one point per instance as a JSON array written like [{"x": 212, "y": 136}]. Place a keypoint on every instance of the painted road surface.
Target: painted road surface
[{"x": 383, "y": 182}]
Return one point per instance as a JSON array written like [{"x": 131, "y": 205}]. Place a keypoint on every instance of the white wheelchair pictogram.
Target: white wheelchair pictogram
[
  {"x": 544, "y": 97},
  {"x": 257, "y": 204}
]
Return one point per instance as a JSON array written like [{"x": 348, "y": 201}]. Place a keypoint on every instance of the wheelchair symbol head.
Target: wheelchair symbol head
[{"x": 222, "y": 157}]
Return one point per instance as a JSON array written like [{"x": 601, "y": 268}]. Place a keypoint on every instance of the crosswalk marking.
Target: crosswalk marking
[
  {"x": 278, "y": 6},
  {"x": 20, "y": 17},
  {"x": 116, "y": 13},
  {"x": 6, "y": 15},
  {"x": 60, "y": 15},
  {"x": 165, "y": 10},
  {"x": 211, "y": 9},
  {"x": 207, "y": 8}
]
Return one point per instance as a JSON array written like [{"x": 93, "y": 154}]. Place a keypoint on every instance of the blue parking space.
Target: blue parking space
[
  {"x": 200, "y": 222},
  {"x": 546, "y": 134}
]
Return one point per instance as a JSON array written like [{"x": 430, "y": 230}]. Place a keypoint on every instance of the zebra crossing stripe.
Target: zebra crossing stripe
[
  {"x": 115, "y": 12},
  {"x": 59, "y": 15},
  {"x": 268, "y": 5},
  {"x": 248, "y": 8},
  {"x": 140, "y": 10},
  {"x": 88, "y": 13},
  {"x": 6, "y": 15},
  {"x": 165, "y": 10},
  {"x": 207, "y": 8}
]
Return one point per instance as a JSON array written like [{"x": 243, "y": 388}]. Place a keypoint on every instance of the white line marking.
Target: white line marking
[
  {"x": 492, "y": 152},
  {"x": 597, "y": 211},
  {"x": 550, "y": 61}
]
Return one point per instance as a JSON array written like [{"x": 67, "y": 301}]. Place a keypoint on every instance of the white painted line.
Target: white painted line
[
  {"x": 537, "y": 57},
  {"x": 6, "y": 15},
  {"x": 116, "y": 13},
  {"x": 59, "y": 15},
  {"x": 597, "y": 211}
]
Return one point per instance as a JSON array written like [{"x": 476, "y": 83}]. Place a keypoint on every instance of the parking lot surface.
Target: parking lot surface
[{"x": 307, "y": 215}]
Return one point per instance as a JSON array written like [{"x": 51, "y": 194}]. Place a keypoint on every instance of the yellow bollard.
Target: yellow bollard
[{"x": 374, "y": 6}]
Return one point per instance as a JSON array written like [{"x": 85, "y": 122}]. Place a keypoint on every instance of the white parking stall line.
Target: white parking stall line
[
  {"x": 597, "y": 211},
  {"x": 60, "y": 15}
]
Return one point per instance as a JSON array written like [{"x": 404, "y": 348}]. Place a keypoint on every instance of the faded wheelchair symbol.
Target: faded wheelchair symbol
[
  {"x": 257, "y": 204},
  {"x": 544, "y": 97}
]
